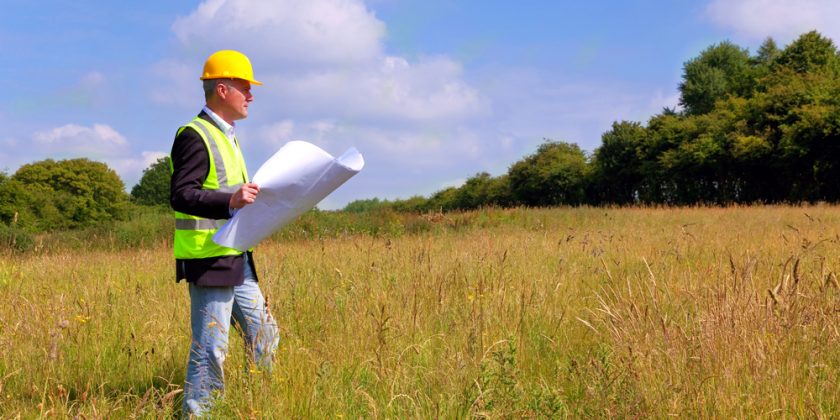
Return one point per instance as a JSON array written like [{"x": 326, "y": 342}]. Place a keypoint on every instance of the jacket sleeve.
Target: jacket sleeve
[{"x": 191, "y": 165}]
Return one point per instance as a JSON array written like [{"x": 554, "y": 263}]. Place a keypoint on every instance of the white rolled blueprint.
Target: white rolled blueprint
[{"x": 291, "y": 182}]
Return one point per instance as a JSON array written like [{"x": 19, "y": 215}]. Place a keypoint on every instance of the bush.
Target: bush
[
  {"x": 73, "y": 193},
  {"x": 15, "y": 239}
]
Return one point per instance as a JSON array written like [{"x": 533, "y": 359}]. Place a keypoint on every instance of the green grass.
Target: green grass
[{"x": 641, "y": 312}]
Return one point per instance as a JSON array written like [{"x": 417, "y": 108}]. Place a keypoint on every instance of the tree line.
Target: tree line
[
  {"x": 762, "y": 128},
  {"x": 751, "y": 128}
]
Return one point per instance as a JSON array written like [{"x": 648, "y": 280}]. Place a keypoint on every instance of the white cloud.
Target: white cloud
[
  {"x": 388, "y": 90},
  {"x": 276, "y": 134},
  {"x": 285, "y": 31},
  {"x": 782, "y": 19},
  {"x": 149, "y": 157},
  {"x": 319, "y": 59},
  {"x": 323, "y": 128},
  {"x": 661, "y": 100},
  {"x": 329, "y": 81},
  {"x": 99, "y": 142},
  {"x": 96, "y": 141}
]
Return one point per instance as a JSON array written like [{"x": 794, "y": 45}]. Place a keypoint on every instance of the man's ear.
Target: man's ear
[{"x": 221, "y": 90}]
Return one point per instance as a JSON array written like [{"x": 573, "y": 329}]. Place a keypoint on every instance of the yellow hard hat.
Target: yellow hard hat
[{"x": 228, "y": 64}]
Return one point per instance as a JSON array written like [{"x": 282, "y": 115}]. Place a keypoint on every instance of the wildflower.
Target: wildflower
[{"x": 82, "y": 319}]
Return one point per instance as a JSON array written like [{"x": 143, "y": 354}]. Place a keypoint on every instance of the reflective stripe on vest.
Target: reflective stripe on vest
[
  {"x": 193, "y": 234},
  {"x": 221, "y": 172},
  {"x": 199, "y": 224}
]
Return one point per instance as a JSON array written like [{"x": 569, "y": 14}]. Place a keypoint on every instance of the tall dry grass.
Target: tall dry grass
[{"x": 701, "y": 312}]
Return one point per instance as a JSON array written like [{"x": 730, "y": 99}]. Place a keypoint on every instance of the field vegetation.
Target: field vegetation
[{"x": 562, "y": 312}]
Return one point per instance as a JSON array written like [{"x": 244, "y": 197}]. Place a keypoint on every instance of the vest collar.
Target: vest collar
[{"x": 222, "y": 125}]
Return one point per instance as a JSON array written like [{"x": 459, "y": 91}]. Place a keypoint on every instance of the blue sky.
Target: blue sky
[{"x": 431, "y": 92}]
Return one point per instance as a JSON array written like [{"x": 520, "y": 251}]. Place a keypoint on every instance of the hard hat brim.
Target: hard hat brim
[{"x": 253, "y": 82}]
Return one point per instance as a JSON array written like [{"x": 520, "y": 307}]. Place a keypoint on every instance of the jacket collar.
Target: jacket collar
[{"x": 206, "y": 117}]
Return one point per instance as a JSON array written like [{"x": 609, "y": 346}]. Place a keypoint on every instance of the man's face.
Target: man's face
[{"x": 236, "y": 95}]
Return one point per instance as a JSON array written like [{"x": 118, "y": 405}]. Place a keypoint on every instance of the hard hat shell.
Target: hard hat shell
[{"x": 228, "y": 64}]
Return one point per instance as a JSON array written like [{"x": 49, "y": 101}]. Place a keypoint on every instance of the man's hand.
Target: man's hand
[{"x": 246, "y": 194}]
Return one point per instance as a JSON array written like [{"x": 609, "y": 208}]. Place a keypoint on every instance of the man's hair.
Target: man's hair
[{"x": 210, "y": 87}]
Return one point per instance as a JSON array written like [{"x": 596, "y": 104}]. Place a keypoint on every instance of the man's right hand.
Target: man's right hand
[{"x": 246, "y": 194}]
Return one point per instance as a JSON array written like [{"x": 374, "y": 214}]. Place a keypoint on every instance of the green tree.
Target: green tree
[
  {"x": 764, "y": 60},
  {"x": 476, "y": 192},
  {"x": 16, "y": 205},
  {"x": 795, "y": 117},
  {"x": 767, "y": 53},
  {"x": 555, "y": 174},
  {"x": 14, "y": 200},
  {"x": 720, "y": 70},
  {"x": 153, "y": 188},
  {"x": 70, "y": 193},
  {"x": 616, "y": 167},
  {"x": 810, "y": 52},
  {"x": 443, "y": 200},
  {"x": 499, "y": 192}
]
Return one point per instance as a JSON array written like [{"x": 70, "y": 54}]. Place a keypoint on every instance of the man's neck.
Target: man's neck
[
  {"x": 219, "y": 118},
  {"x": 221, "y": 115}
]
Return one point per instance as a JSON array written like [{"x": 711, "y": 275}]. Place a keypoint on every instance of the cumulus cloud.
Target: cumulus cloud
[
  {"x": 329, "y": 81},
  {"x": 98, "y": 140},
  {"x": 782, "y": 19},
  {"x": 319, "y": 59},
  {"x": 290, "y": 32},
  {"x": 276, "y": 134},
  {"x": 390, "y": 89},
  {"x": 661, "y": 100},
  {"x": 395, "y": 145}
]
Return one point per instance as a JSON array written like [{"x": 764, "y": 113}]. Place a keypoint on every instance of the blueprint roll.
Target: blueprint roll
[{"x": 291, "y": 183}]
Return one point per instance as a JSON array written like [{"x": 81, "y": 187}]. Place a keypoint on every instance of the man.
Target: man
[{"x": 209, "y": 182}]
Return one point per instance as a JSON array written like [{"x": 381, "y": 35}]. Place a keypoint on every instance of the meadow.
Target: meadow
[{"x": 545, "y": 313}]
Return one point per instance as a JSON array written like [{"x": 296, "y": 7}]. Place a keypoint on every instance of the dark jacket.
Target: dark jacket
[{"x": 191, "y": 165}]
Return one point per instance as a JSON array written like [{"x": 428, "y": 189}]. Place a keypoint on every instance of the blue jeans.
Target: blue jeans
[{"x": 211, "y": 311}]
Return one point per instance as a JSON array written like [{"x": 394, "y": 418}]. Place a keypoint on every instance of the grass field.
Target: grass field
[{"x": 640, "y": 312}]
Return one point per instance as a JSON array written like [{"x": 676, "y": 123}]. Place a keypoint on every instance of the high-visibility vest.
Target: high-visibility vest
[{"x": 193, "y": 234}]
